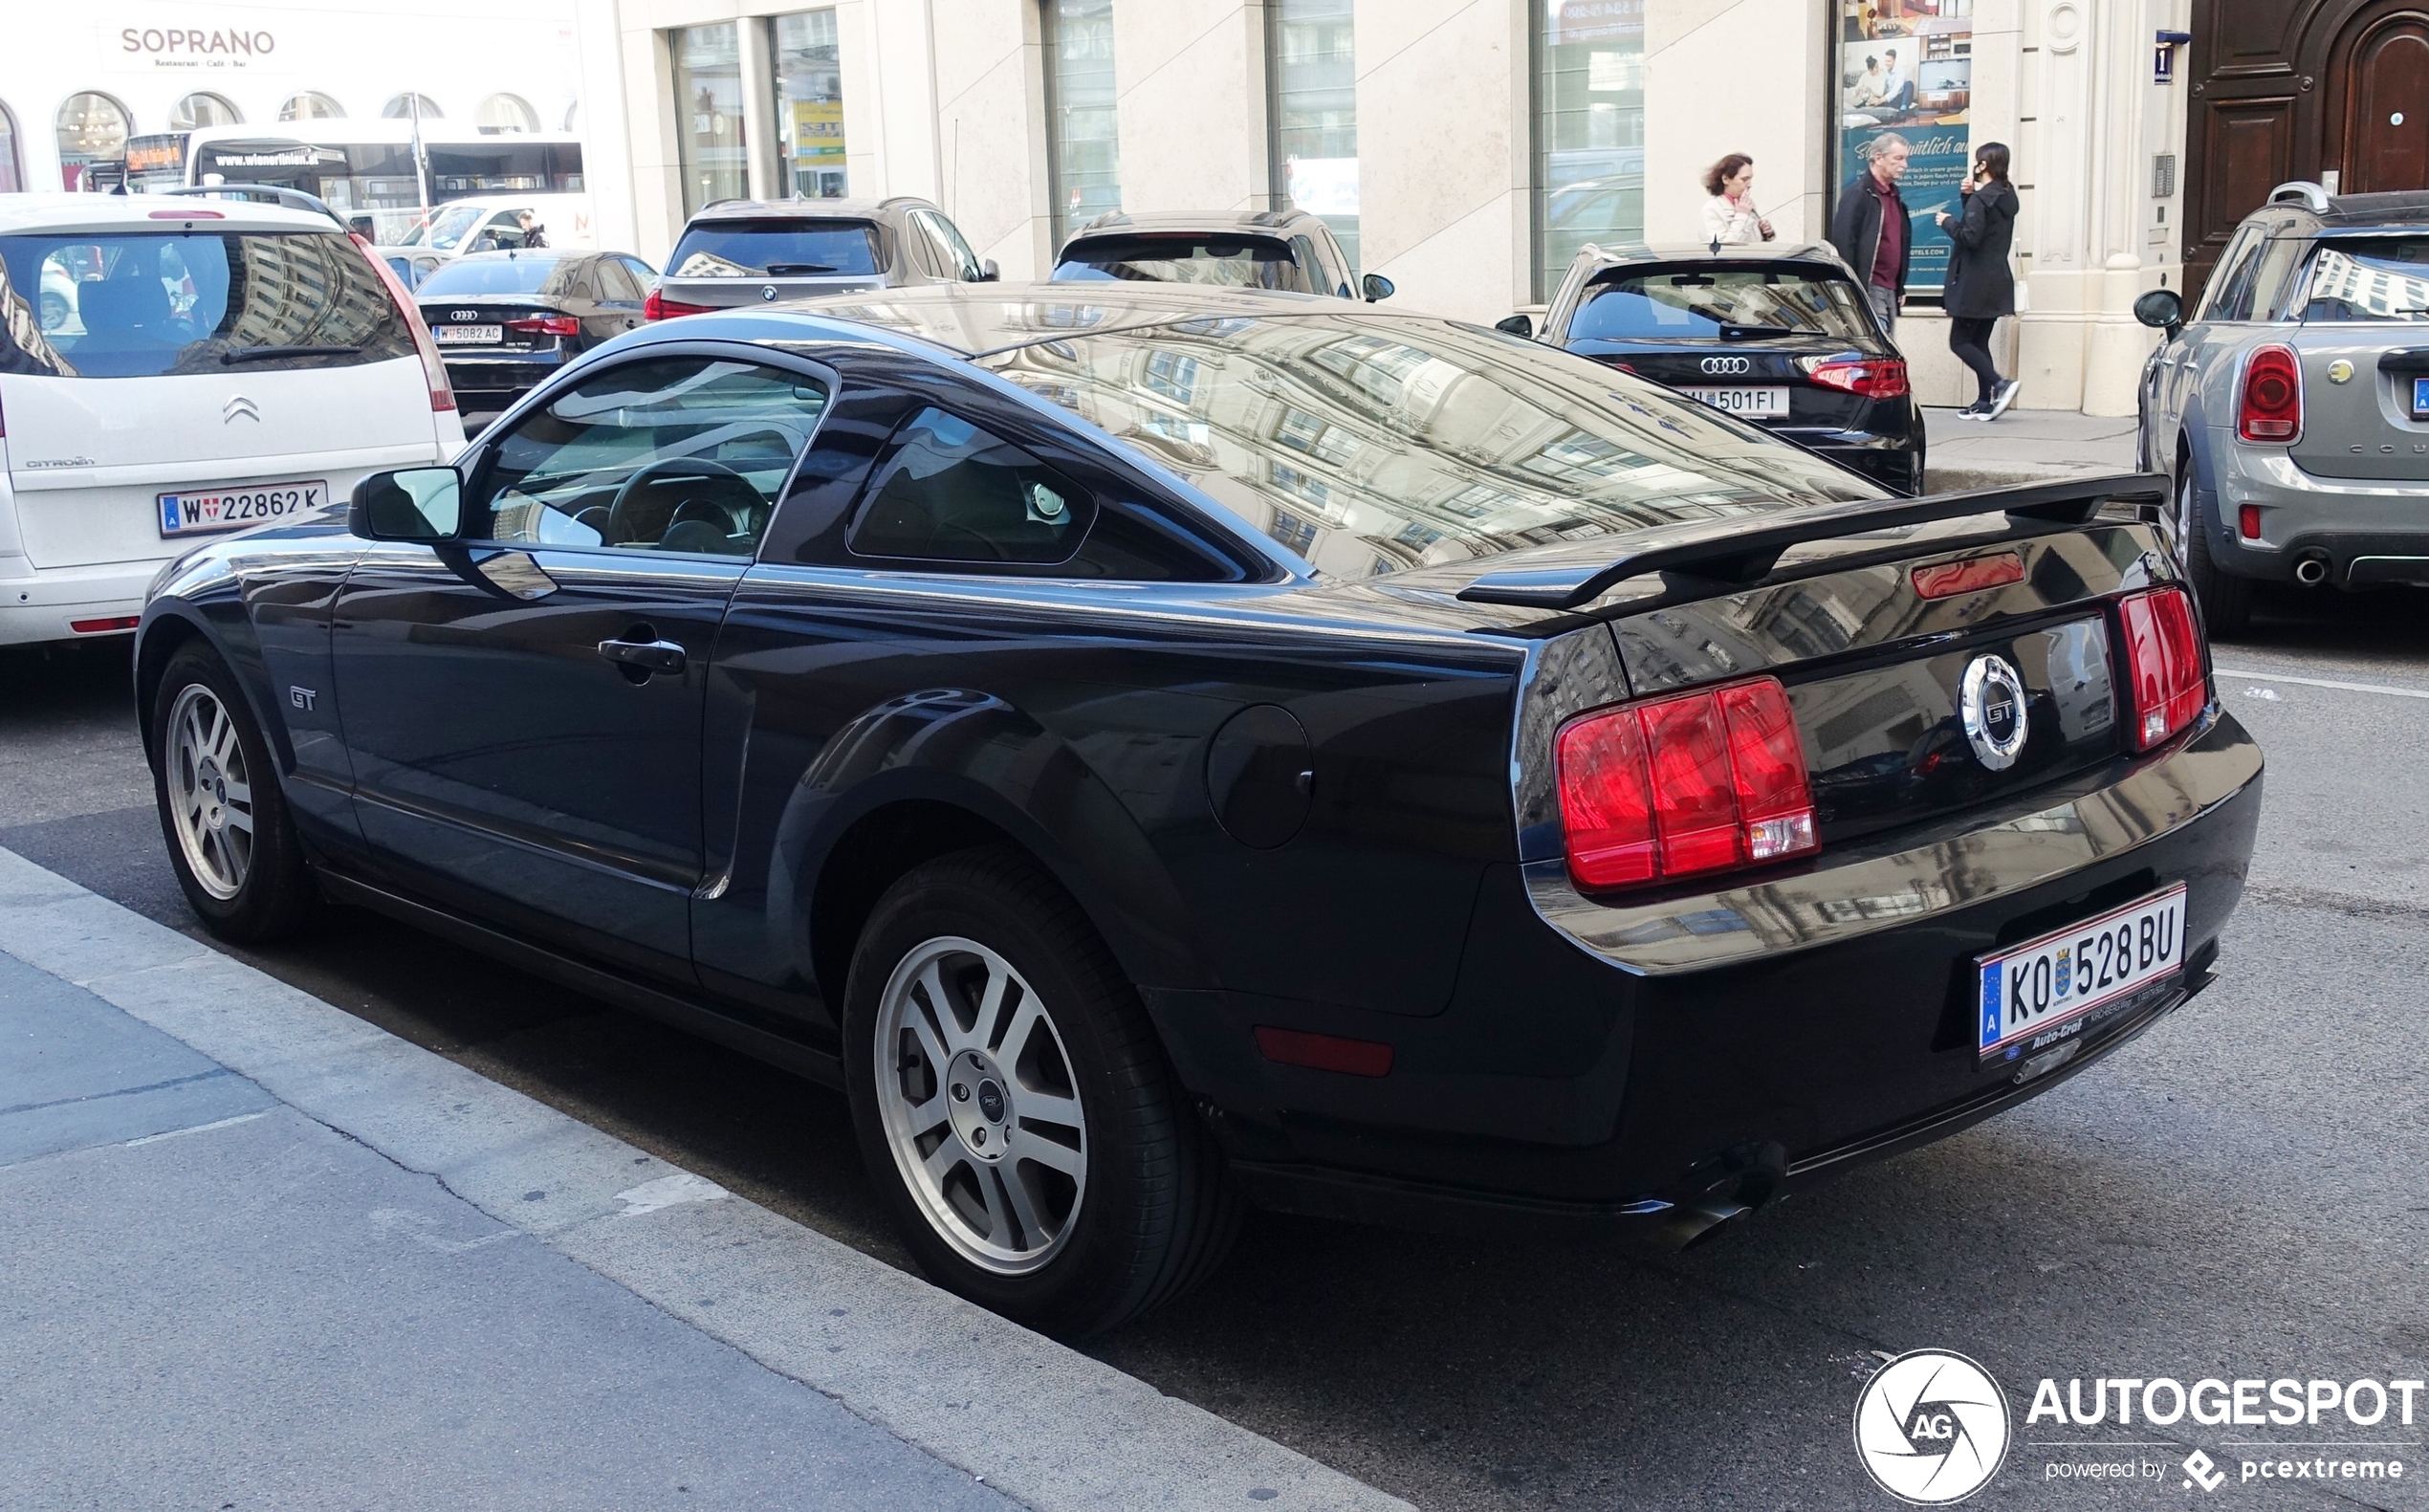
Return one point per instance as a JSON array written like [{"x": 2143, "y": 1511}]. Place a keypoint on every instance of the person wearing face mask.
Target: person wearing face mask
[
  {"x": 1981, "y": 287},
  {"x": 1730, "y": 218}
]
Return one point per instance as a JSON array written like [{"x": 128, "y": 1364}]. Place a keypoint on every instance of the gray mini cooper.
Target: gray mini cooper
[{"x": 2292, "y": 409}]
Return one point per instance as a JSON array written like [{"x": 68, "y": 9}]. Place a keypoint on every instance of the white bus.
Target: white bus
[{"x": 367, "y": 170}]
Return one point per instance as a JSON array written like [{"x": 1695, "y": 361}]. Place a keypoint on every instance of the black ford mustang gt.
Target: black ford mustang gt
[{"x": 1161, "y": 750}]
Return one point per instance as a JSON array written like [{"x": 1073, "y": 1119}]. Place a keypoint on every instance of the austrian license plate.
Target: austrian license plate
[
  {"x": 2045, "y": 991},
  {"x": 468, "y": 335},
  {"x": 200, "y": 513},
  {"x": 1742, "y": 400},
  {"x": 2421, "y": 396}
]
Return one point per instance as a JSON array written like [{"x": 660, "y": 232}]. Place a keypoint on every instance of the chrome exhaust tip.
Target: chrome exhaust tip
[{"x": 2311, "y": 569}]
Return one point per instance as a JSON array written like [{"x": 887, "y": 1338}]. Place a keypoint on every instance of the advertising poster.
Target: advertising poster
[{"x": 1907, "y": 66}]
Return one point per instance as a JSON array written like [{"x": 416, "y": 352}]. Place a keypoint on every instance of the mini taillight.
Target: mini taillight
[
  {"x": 547, "y": 325},
  {"x": 1867, "y": 377},
  {"x": 433, "y": 371},
  {"x": 2247, "y": 522},
  {"x": 2164, "y": 677},
  {"x": 1679, "y": 787},
  {"x": 658, "y": 307},
  {"x": 1944, "y": 579},
  {"x": 2271, "y": 408}
]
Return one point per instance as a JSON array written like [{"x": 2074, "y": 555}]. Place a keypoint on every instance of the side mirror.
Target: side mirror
[
  {"x": 411, "y": 504},
  {"x": 988, "y": 272},
  {"x": 1376, "y": 287},
  {"x": 1517, "y": 325},
  {"x": 2162, "y": 309}
]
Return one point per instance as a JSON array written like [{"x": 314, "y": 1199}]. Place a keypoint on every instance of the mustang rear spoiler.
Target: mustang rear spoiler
[{"x": 1737, "y": 552}]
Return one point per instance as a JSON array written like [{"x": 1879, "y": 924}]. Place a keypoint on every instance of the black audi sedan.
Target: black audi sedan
[
  {"x": 1779, "y": 334},
  {"x": 1159, "y": 750},
  {"x": 504, "y": 320}
]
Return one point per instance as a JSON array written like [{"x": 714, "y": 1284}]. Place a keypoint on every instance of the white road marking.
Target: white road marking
[
  {"x": 667, "y": 1192},
  {"x": 410, "y": 1225},
  {"x": 2323, "y": 682},
  {"x": 198, "y": 1128}
]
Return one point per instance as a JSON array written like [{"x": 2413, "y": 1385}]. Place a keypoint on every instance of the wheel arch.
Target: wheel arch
[{"x": 171, "y": 625}]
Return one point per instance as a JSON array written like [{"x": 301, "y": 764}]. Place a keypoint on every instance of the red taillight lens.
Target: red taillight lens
[
  {"x": 2248, "y": 522},
  {"x": 1944, "y": 579},
  {"x": 1868, "y": 377},
  {"x": 433, "y": 371},
  {"x": 1324, "y": 1052},
  {"x": 2164, "y": 675},
  {"x": 658, "y": 307},
  {"x": 547, "y": 325},
  {"x": 2271, "y": 410},
  {"x": 111, "y": 625},
  {"x": 1682, "y": 786}
]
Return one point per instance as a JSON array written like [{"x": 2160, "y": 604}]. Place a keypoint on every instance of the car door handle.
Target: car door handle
[{"x": 652, "y": 656}]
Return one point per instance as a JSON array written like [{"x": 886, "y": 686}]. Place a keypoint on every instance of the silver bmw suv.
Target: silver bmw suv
[
  {"x": 756, "y": 252},
  {"x": 2292, "y": 409}
]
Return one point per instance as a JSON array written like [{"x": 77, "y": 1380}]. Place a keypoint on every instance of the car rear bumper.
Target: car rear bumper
[
  {"x": 2369, "y": 530},
  {"x": 494, "y": 383},
  {"x": 1603, "y": 1065},
  {"x": 1891, "y": 458},
  {"x": 47, "y": 605}
]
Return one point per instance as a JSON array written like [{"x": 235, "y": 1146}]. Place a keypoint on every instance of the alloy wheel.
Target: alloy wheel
[
  {"x": 210, "y": 792},
  {"x": 979, "y": 1104}
]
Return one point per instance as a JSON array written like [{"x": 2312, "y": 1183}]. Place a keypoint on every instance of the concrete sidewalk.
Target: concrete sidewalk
[
  {"x": 2024, "y": 446},
  {"x": 262, "y": 1254}
]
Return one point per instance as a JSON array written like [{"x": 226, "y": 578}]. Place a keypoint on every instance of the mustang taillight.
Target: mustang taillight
[
  {"x": 1679, "y": 787},
  {"x": 547, "y": 325},
  {"x": 658, "y": 307},
  {"x": 2271, "y": 408},
  {"x": 2164, "y": 677},
  {"x": 1867, "y": 377}
]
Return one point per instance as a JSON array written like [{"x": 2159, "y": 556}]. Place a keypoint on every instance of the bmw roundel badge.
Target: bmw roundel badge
[
  {"x": 1990, "y": 704},
  {"x": 767, "y": 291}
]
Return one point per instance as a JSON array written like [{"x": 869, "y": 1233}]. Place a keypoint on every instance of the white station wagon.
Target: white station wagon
[{"x": 171, "y": 368}]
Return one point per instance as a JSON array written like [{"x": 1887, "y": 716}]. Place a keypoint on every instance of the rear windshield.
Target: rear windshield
[
  {"x": 141, "y": 304},
  {"x": 1229, "y": 262},
  {"x": 512, "y": 275},
  {"x": 2373, "y": 280},
  {"x": 774, "y": 249},
  {"x": 1721, "y": 304}
]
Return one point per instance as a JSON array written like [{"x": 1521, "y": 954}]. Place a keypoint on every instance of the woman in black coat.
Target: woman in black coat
[{"x": 1980, "y": 288}]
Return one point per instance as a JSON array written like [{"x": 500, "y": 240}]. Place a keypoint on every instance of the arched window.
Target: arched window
[
  {"x": 401, "y": 108},
  {"x": 204, "y": 110},
  {"x": 573, "y": 117},
  {"x": 12, "y": 167},
  {"x": 505, "y": 114},
  {"x": 92, "y": 128},
  {"x": 310, "y": 105}
]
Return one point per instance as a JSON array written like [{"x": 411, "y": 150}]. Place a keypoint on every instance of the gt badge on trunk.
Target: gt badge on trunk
[{"x": 1990, "y": 703}]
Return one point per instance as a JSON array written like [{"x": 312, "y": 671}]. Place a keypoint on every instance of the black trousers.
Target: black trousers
[{"x": 1970, "y": 340}]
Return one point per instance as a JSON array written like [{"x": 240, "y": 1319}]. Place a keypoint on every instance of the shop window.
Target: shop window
[
  {"x": 11, "y": 167},
  {"x": 204, "y": 110},
  {"x": 505, "y": 114},
  {"x": 1312, "y": 61},
  {"x": 401, "y": 108},
  {"x": 710, "y": 142},
  {"x": 93, "y": 130},
  {"x": 1084, "y": 149},
  {"x": 809, "y": 106},
  {"x": 310, "y": 105},
  {"x": 1589, "y": 130}
]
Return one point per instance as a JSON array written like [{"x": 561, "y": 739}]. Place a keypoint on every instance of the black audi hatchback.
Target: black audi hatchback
[
  {"x": 1160, "y": 751},
  {"x": 1779, "y": 334},
  {"x": 504, "y": 320}
]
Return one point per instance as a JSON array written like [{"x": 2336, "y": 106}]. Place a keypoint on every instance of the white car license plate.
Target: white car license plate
[
  {"x": 201, "y": 513},
  {"x": 1742, "y": 400},
  {"x": 2047, "y": 991},
  {"x": 468, "y": 335}
]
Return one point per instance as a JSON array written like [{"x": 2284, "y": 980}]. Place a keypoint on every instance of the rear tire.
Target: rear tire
[
  {"x": 1013, "y": 1106},
  {"x": 2226, "y": 599},
  {"x": 231, "y": 839}
]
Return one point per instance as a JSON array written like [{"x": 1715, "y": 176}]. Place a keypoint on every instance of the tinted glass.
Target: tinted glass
[
  {"x": 678, "y": 454},
  {"x": 140, "y": 305},
  {"x": 951, "y": 491},
  {"x": 1368, "y": 442},
  {"x": 615, "y": 280},
  {"x": 1718, "y": 304},
  {"x": 2370, "y": 280},
  {"x": 780, "y": 249},
  {"x": 1233, "y": 262},
  {"x": 519, "y": 274},
  {"x": 2229, "y": 294},
  {"x": 960, "y": 262}
]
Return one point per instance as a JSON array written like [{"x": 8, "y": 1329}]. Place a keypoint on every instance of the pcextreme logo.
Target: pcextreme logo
[{"x": 1932, "y": 1427}]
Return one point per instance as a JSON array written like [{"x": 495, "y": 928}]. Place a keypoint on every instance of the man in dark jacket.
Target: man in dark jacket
[{"x": 1872, "y": 230}]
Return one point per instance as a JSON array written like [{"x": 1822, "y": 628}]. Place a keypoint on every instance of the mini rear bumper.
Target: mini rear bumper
[
  {"x": 1601, "y": 1066},
  {"x": 2367, "y": 530}
]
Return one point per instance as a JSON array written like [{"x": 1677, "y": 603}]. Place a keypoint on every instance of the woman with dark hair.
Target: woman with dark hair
[
  {"x": 1730, "y": 219},
  {"x": 1981, "y": 287}
]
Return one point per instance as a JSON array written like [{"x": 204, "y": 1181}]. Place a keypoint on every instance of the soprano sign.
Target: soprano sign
[{"x": 167, "y": 39}]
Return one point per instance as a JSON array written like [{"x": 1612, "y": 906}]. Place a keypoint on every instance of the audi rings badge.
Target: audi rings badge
[{"x": 1717, "y": 365}]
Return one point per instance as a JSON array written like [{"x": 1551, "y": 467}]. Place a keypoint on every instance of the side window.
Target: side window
[
  {"x": 921, "y": 248},
  {"x": 948, "y": 491},
  {"x": 2277, "y": 274},
  {"x": 953, "y": 254},
  {"x": 2230, "y": 288},
  {"x": 1322, "y": 277},
  {"x": 675, "y": 454}
]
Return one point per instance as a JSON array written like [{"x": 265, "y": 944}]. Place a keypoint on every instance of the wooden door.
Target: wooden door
[
  {"x": 2379, "y": 102},
  {"x": 2250, "y": 114}
]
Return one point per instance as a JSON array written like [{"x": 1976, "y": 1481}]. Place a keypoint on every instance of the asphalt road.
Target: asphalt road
[{"x": 2242, "y": 1193}]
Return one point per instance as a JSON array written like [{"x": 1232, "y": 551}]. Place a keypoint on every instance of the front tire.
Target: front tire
[
  {"x": 231, "y": 839},
  {"x": 2226, "y": 599},
  {"x": 1013, "y": 1106}
]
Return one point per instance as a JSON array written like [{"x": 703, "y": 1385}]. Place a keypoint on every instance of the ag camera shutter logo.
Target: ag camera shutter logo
[{"x": 1932, "y": 1427}]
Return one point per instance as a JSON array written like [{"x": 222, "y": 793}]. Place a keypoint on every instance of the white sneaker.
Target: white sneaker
[{"x": 2004, "y": 396}]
